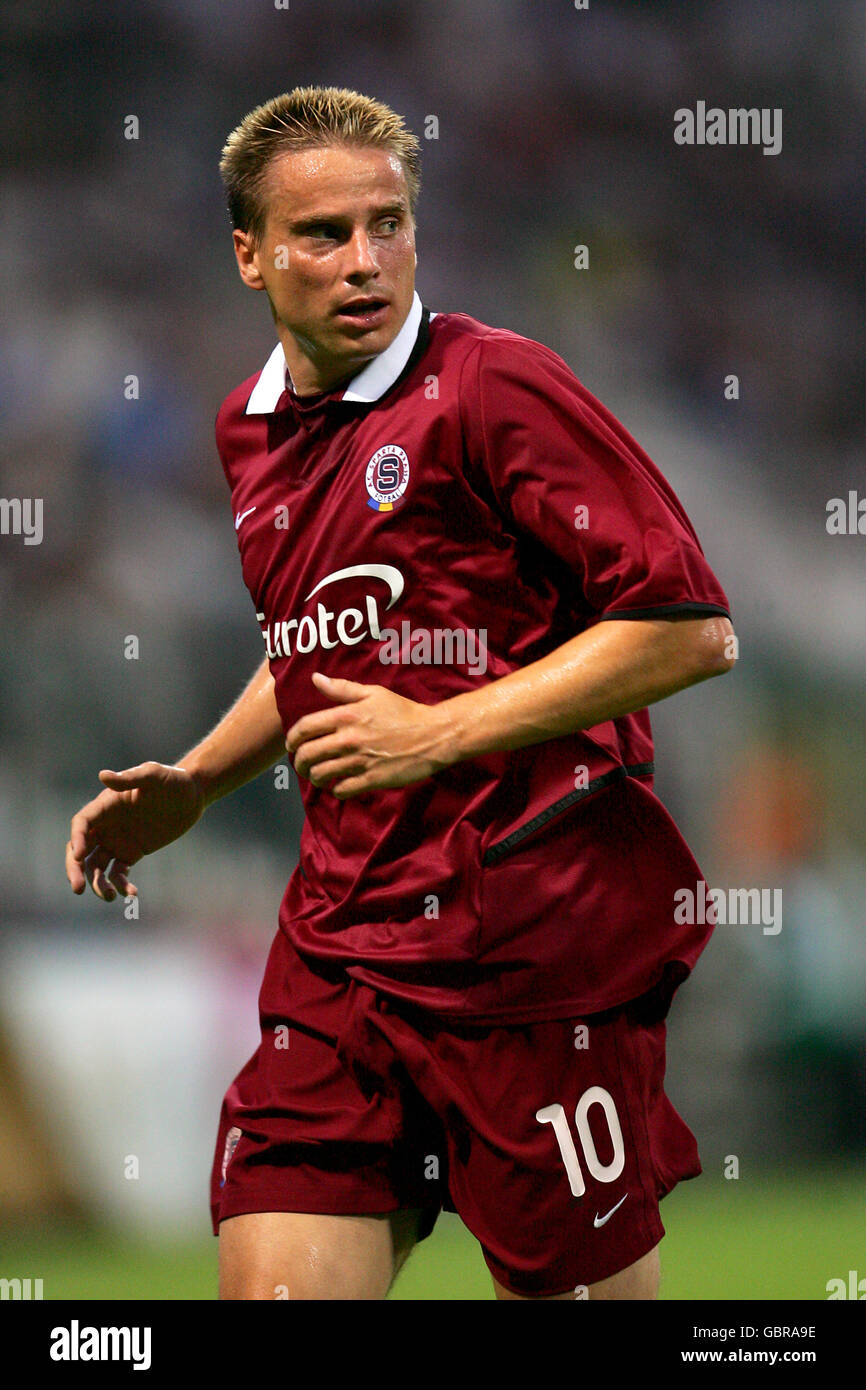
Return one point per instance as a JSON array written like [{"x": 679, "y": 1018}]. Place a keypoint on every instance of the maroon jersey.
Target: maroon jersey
[{"x": 464, "y": 507}]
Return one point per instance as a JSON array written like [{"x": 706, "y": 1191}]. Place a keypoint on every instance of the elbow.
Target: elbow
[{"x": 717, "y": 648}]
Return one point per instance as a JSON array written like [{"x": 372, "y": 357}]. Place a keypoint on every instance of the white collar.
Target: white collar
[{"x": 370, "y": 383}]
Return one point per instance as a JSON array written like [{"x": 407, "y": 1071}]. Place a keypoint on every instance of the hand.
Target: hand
[
  {"x": 371, "y": 738},
  {"x": 142, "y": 809}
]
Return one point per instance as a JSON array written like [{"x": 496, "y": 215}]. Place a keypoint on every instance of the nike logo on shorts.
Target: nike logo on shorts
[
  {"x": 600, "y": 1220},
  {"x": 240, "y": 516}
]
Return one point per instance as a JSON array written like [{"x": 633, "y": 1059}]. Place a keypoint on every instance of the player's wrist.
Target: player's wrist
[
  {"x": 206, "y": 786},
  {"x": 451, "y": 732}
]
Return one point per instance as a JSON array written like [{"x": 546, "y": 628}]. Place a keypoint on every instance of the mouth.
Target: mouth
[{"x": 367, "y": 311}]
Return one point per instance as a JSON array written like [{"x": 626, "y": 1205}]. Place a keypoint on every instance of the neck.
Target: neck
[{"x": 309, "y": 377}]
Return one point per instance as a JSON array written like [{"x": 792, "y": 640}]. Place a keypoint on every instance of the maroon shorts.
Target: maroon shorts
[{"x": 553, "y": 1141}]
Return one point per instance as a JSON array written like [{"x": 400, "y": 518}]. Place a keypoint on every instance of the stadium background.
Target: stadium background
[{"x": 555, "y": 128}]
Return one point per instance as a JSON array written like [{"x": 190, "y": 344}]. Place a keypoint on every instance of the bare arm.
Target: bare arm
[
  {"x": 146, "y": 807},
  {"x": 373, "y": 737},
  {"x": 611, "y": 669},
  {"x": 247, "y": 741}
]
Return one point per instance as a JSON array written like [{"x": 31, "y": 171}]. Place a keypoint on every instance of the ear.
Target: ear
[{"x": 247, "y": 258}]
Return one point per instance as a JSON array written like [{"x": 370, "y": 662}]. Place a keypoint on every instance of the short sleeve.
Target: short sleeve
[{"x": 566, "y": 472}]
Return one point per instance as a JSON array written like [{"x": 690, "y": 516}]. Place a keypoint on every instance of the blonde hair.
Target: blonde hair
[{"x": 302, "y": 119}]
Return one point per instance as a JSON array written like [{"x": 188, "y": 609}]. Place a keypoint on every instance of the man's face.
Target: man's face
[{"x": 337, "y": 258}]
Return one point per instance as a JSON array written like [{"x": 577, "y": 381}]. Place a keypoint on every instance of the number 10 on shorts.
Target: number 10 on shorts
[{"x": 604, "y": 1172}]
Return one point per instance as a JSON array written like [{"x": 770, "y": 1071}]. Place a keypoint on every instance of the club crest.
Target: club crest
[{"x": 387, "y": 478}]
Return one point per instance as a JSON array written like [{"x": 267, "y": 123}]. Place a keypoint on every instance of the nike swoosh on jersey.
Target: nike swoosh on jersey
[
  {"x": 599, "y": 1221},
  {"x": 240, "y": 516}
]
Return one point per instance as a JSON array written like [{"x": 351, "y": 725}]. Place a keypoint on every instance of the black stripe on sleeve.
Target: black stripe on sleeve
[{"x": 663, "y": 608}]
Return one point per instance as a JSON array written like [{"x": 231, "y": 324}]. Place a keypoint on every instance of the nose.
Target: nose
[{"x": 361, "y": 264}]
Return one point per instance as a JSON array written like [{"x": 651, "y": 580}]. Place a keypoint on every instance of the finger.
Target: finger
[
  {"x": 117, "y": 875},
  {"x": 352, "y": 787},
  {"x": 318, "y": 725},
  {"x": 336, "y": 688},
  {"x": 126, "y": 780},
  {"x": 97, "y": 863},
  {"x": 321, "y": 750},
  {"x": 74, "y": 871},
  {"x": 80, "y": 834},
  {"x": 324, "y": 773}
]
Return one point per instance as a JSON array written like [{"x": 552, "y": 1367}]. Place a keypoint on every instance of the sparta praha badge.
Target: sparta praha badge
[{"x": 387, "y": 478}]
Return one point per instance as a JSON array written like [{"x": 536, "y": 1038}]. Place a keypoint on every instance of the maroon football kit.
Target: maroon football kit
[{"x": 461, "y": 509}]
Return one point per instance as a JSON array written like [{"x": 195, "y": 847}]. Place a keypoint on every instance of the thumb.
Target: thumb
[
  {"x": 336, "y": 688},
  {"x": 122, "y": 781}
]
